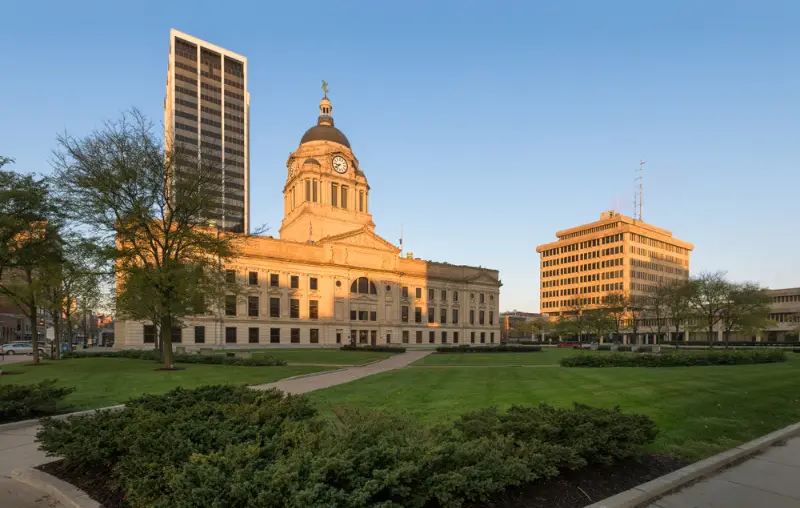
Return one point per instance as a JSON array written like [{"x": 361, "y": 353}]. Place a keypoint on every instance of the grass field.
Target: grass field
[
  {"x": 699, "y": 410},
  {"x": 323, "y": 356},
  {"x": 101, "y": 382}
]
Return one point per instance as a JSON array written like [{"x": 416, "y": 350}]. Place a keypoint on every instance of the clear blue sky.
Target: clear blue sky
[{"x": 483, "y": 127}]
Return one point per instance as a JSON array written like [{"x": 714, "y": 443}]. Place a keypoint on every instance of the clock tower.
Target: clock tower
[{"x": 326, "y": 192}]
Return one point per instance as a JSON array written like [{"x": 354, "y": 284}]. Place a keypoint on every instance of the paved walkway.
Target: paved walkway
[
  {"x": 769, "y": 479},
  {"x": 337, "y": 377},
  {"x": 18, "y": 449}
]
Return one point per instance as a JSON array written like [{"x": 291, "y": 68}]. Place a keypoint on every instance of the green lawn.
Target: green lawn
[
  {"x": 101, "y": 382},
  {"x": 548, "y": 356},
  {"x": 699, "y": 410},
  {"x": 323, "y": 356}
]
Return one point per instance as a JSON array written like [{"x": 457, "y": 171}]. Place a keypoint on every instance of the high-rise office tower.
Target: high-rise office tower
[{"x": 207, "y": 113}]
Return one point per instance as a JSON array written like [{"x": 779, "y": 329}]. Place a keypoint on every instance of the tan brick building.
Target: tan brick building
[
  {"x": 616, "y": 254},
  {"x": 330, "y": 279}
]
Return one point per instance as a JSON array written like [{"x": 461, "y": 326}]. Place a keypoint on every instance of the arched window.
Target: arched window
[{"x": 363, "y": 286}]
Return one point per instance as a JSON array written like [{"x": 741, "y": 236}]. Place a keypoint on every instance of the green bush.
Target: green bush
[
  {"x": 604, "y": 347},
  {"x": 230, "y": 446},
  {"x": 18, "y": 402},
  {"x": 488, "y": 349},
  {"x": 149, "y": 354},
  {"x": 677, "y": 359},
  {"x": 624, "y": 347},
  {"x": 375, "y": 349}
]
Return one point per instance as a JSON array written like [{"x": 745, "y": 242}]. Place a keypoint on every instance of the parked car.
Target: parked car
[
  {"x": 574, "y": 345},
  {"x": 19, "y": 348}
]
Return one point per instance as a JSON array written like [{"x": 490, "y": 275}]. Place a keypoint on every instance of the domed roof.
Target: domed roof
[{"x": 325, "y": 133}]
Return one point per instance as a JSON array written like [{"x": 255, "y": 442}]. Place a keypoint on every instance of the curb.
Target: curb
[
  {"x": 65, "y": 493},
  {"x": 653, "y": 489},
  {"x": 27, "y": 423}
]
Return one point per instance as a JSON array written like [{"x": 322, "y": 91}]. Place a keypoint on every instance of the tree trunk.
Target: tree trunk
[
  {"x": 677, "y": 335},
  {"x": 166, "y": 341},
  {"x": 34, "y": 331},
  {"x": 710, "y": 335},
  {"x": 56, "y": 337}
]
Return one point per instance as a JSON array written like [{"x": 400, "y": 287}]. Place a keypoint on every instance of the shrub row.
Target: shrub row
[
  {"x": 730, "y": 343},
  {"x": 257, "y": 360},
  {"x": 19, "y": 402},
  {"x": 676, "y": 359},
  {"x": 230, "y": 446},
  {"x": 488, "y": 349},
  {"x": 375, "y": 349}
]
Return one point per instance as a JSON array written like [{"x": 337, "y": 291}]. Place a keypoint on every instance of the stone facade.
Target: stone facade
[{"x": 330, "y": 279}]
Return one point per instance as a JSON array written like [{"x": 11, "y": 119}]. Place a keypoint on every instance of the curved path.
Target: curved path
[{"x": 309, "y": 383}]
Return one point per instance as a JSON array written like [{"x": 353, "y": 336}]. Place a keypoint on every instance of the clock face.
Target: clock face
[
  {"x": 291, "y": 169},
  {"x": 339, "y": 164}
]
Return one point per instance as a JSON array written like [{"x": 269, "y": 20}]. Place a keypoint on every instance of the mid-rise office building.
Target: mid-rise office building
[
  {"x": 207, "y": 114},
  {"x": 616, "y": 254}
]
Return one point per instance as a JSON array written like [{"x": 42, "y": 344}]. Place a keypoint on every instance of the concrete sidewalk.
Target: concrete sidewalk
[
  {"x": 337, "y": 377},
  {"x": 18, "y": 449},
  {"x": 769, "y": 480}
]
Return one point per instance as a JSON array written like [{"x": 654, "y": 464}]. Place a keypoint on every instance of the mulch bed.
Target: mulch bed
[{"x": 572, "y": 490}]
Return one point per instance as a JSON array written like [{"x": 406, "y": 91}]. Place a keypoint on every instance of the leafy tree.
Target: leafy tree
[
  {"x": 567, "y": 326},
  {"x": 656, "y": 308},
  {"x": 599, "y": 322},
  {"x": 678, "y": 303},
  {"x": 746, "y": 309},
  {"x": 29, "y": 242},
  {"x": 616, "y": 305},
  {"x": 709, "y": 294},
  {"x": 151, "y": 208}
]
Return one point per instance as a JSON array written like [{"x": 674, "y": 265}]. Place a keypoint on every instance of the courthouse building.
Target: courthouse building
[{"x": 330, "y": 279}]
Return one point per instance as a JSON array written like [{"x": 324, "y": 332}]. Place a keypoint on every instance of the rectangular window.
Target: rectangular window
[
  {"x": 455, "y": 337},
  {"x": 313, "y": 309},
  {"x": 353, "y": 315},
  {"x": 360, "y": 201},
  {"x": 230, "y": 335},
  {"x": 334, "y": 194},
  {"x": 431, "y": 337},
  {"x": 405, "y": 292},
  {"x": 149, "y": 334},
  {"x": 273, "y": 280},
  {"x": 230, "y": 305},
  {"x": 418, "y": 314},
  {"x": 388, "y": 338},
  {"x": 230, "y": 276},
  {"x": 338, "y": 336},
  {"x": 294, "y": 308},
  {"x": 363, "y": 315},
  {"x": 294, "y": 282},
  {"x": 444, "y": 295},
  {"x": 199, "y": 334},
  {"x": 443, "y": 316},
  {"x": 444, "y": 337},
  {"x": 344, "y": 196},
  {"x": 308, "y": 190},
  {"x": 483, "y": 298},
  {"x": 471, "y": 316},
  {"x": 455, "y": 316},
  {"x": 314, "y": 191},
  {"x": 404, "y": 314},
  {"x": 491, "y": 317},
  {"x": 373, "y": 315},
  {"x": 314, "y": 336},
  {"x": 480, "y": 317},
  {"x": 312, "y": 283},
  {"x": 419, "y": 337},
  {"x": 274, "y": 307},
  {"x": 483, "y": 337},
  {"x": 295, "y": 337},
  {"x": 418, "y": 292},
  {"x": 431, "y": 314},
  {"x": 274, "y": 335},
  {"x": 430, "y": 294},
  {"x": 472, "y": 337},
  {"x": 252, "y": 335},
  {"x": 252, "y": 278},
  {"x": 176, "y": 335},
  {"x": 491, "y": 337},
  {"x": 373, "y": 335},
  {"x": 405, "y": 336},
  {"x": 252, "y": 306},
  {"x": 455, "y": 296}
]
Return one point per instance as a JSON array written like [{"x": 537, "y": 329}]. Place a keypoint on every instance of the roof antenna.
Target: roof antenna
[{"x": 638, "y": 197}]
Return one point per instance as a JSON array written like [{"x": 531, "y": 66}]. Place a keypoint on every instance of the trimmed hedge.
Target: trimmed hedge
[
  {"x": 19, "y": 402},
  {"x": 676, "y": 359},
  {"x": 230, "y": 446},
  {"x": 375, "y": 349},
  {"x": 731, "y": 343},
  {"x": 489, "y": 349},
  {"x": 257, "y": 360}
]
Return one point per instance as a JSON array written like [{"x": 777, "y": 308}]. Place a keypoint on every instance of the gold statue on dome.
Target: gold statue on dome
[{"x": 325, "y": 87}]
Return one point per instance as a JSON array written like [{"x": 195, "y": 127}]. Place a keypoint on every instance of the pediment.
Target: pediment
[
  {"x": 485, "y": 278},
  {"x": 361, "y": 238}
]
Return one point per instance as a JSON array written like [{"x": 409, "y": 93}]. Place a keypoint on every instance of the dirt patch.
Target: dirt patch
[
  {"x": 571, "y": 490},
  {"x": 171, "y": 368},
  {"x": 36, "y": 364},
  {"x": 6, "y": 373}
]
